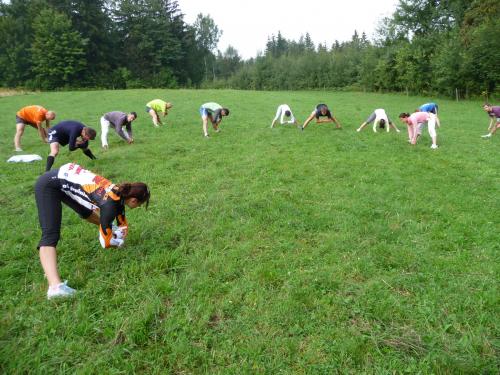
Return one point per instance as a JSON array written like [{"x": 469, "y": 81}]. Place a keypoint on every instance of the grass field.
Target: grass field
[{"x": 263, "y": 250}]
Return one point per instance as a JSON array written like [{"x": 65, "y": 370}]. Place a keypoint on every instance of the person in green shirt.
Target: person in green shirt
[
  {"x": 154, "y": 107},
  {"x": 213, "y": 112}
]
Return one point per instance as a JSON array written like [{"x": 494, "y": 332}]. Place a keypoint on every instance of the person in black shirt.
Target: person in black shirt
[
  {"x": 71, "y": 133},
  {"x": 321, "y": 110}
]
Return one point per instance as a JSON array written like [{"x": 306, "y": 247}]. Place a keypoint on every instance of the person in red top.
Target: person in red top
[
  {"x": 85, "y": 193},
  {"x": 32, "y": 115}
]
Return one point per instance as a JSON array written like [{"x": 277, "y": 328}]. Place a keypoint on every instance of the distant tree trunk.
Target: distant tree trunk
[{"x": 206, "y": 68}]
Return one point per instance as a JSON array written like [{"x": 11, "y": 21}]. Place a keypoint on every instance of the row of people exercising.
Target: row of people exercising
[{"x": 73, "y": 133}]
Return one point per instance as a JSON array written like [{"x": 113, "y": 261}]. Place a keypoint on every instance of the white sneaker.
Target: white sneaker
[
  {"x": 434, "y": 147},
  {"x": 19, "y": 149},
  {"x": 358, "y": 130},
  {"x": 483, "y": 136},
  {"x": 61, "y": 290}
]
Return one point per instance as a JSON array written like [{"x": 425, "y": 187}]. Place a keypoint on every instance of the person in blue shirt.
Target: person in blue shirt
[
  {"x": 429, "y": 107},
  {"x": 71, "y": 133}
]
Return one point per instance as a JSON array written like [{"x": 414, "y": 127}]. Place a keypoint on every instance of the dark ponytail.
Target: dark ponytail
[
  {"x": 404, "y": 115},
  {"x": 138, "y": 190}
]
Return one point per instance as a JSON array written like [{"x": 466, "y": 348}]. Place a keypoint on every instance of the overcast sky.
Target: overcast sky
[{"x": 247, "y": 24}]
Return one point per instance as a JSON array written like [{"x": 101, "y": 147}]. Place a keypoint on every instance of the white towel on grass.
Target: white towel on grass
[{"x": 24, "y": 158}]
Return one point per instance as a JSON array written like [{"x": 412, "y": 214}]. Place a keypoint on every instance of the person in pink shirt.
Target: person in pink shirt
[{"x": 412, "y": 122}]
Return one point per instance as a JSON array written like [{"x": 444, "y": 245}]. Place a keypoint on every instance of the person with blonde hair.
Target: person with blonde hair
[
  {"x": 33, "y": 115},
  {"x": 156, "y": 106}
]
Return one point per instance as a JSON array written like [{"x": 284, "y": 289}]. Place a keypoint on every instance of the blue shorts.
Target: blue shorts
[{"x": 204, "y": 112}]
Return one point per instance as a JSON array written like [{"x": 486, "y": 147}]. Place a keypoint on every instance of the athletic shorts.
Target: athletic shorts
[
  {"x": 49, "y": 196},
  {"x": 20, "y": 120},
  {"x": 204, "y": 112},
  {"x": 52, "y": 137},
  {"x": 148, "y": 109}
]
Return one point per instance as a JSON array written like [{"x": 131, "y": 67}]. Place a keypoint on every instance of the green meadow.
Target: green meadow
[{"x": 263, "y": 251}]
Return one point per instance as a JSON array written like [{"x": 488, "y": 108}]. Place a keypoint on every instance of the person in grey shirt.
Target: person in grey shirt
[{"x": 121, "y": 122}]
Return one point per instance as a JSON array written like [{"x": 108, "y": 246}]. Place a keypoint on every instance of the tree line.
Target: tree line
[
  {"x": 444, "y": 47},
  {"x": 427, "y": 47},
  {"x": 51, "y": 44}
]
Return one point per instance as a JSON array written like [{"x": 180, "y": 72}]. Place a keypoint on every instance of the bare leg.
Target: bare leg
[
  {"x": 154, "y": 115},
  {"x": 205, "y": 125},
  {"x": 48, "y": 259},
  {"x": 19, "y": 134}
]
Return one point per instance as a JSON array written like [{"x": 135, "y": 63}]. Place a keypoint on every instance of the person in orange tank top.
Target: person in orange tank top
[{"x": 33, "y": 115}]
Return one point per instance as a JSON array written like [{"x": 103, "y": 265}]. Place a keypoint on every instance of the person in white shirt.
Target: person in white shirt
[
  {"x": 282, "y": 112},
  {"x": 380, "y": 119}
]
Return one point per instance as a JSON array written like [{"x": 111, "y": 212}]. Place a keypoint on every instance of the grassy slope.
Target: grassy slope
[{"x": 263, "y": 250}]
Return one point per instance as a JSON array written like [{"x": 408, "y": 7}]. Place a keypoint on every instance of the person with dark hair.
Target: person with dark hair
[
  {"x": 71, "y": 133},
  {"x": 321, "y": 110},
  {"x": 282, "y": 112},
  {"x": 117, "y": 120},
  {"x": 379, "y": 118},
  {"x": 95, "y": 199},
  {"x": 156, "y": 106},
  {"x": 431, "y": 108},
  {"x": 412, "y": 121},
  {"x": 33, "y": 115},
  {"x": 213, "y": 112},
  {"x": 494, "y": 114}
]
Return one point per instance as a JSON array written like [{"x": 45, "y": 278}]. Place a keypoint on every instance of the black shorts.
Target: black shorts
[
  {"x": 49, "y": 196},
  {"x": 52, "y": 137},
  {"x": 20, "y": 120}
]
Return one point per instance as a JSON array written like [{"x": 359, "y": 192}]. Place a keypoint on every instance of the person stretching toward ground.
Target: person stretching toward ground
[
  {"x": 414, "y": 120},
  {"x": 213, "y": 112},
  {"x": 321, "y": 111},
  {"x": 379, "y": 118},
  {"x": 494, "y": 113},
  {"x": 154, "y": 107},
  {"x": 71, "y": 133},
  {"x": 431, "y": 108},
  {"x": 282, "y": 112},
  {"x": 32, "y": 115},
  {"x": 85, "y": 193},
  {"x": 117, "y": 120}
]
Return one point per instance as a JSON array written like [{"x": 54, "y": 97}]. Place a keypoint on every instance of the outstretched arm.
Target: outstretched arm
[
  {"x": 89, "y": 153},
  {"x": 42, "y": 132},
  {"x": 491, "y": 123},
  {"x": 308, "y": 120},
  {"x": 334, "y": 119}
]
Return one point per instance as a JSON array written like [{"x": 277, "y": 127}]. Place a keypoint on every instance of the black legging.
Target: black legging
[{"x": 48, "y": 195}]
